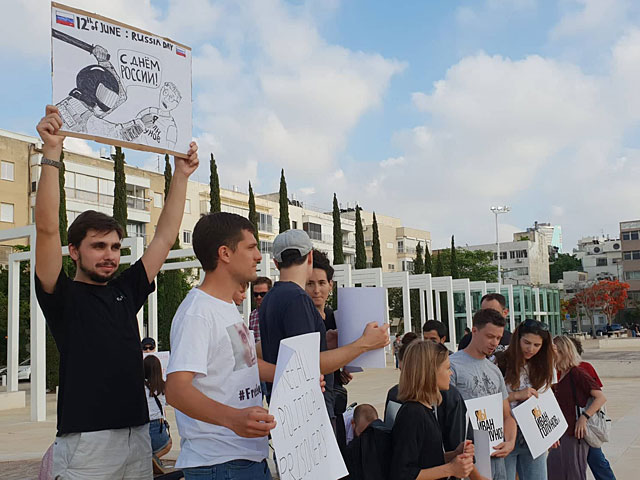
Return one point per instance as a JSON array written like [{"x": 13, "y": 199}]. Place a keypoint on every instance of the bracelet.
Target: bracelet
[
  {"x": 586, "y": 415},
  {"x": 48, "y": 161}
]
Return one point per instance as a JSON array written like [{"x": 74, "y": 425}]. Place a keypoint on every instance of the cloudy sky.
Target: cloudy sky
[{"x": 427, "y": 111}]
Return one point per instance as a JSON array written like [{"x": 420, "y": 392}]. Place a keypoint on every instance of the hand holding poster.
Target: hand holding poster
[
  {"x": 117, "y": 84},
  {"x": 303, "y": 438},
  {"x": 485, "y": 414},
  {"x": 541, "y": 422}
]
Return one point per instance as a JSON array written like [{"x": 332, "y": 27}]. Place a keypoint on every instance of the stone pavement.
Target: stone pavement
[{"x": 22, "y": 443}]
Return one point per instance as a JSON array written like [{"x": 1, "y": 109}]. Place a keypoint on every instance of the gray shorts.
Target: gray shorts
[{"x": 124, "y": 453}]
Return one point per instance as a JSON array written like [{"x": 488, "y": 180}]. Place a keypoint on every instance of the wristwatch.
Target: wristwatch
[
  {"x": 586, "y": 415},
  {"x": 48, "y": 161}
]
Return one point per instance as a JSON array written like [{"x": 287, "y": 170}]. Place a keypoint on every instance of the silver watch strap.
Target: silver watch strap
[{"x": 48, "y": 161}]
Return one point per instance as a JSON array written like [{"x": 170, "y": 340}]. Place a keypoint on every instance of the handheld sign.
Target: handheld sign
[
  {"x": 541, "y": 422},
  {"x": 482, "y": 452},
  {"x": 485, "y": 414},
  {"x": 358, "y": 306},
  {"x": 303, "y": 439},
  {"x": 164, "y": 360},
  {"x": 117, "y": 84}
]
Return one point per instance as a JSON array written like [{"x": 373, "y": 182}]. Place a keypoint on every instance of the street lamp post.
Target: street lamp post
[{"x": 496, "y": 211}]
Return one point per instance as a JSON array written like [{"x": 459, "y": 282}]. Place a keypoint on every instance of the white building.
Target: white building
[{"x": 601, "y": 257}]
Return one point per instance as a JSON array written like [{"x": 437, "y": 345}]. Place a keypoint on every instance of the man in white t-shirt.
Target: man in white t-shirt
[{"x": 214, "y": 373}]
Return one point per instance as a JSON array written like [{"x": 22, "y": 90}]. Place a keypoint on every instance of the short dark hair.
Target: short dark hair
[
  {"x": 290, "y": 258},
  {"x": 263, "y": 281},
  {"x": 365, "y": 412},
  {"x": 407, "y": 339},
  {"x": 495, "y": 296},
  {"x": 92, "y": 220},
  {"x": 440, "y": 328},
  {"x": 215, "y": 230},
  {"x": 488, "y": 315},
  {"x": 321, "y": 261}
]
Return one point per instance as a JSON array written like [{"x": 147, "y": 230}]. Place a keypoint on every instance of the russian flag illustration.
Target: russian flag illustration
[
  {"x": 65, "y": 19},
  {"x": 181, "y": 52}
]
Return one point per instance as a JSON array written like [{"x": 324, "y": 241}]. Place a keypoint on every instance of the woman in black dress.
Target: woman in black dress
[{"x": 418, "y": 452}]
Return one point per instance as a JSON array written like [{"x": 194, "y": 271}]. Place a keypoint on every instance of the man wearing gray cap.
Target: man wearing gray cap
[{"x": 287, "y": 311}]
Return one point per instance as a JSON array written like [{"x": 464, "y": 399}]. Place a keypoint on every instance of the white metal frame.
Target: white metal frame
[{"x": 445, "y": 284}]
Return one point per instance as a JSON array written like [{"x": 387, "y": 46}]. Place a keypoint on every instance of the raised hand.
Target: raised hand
[
  {"x": 48, "y": 129},
  {"x": 187, "y": 166},
  {"x": 375, "y": 336}
]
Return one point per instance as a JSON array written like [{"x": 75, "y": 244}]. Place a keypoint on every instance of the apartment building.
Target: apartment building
[
  {"x": 630, "y": 240},
  {"x": 601, "y": 257}
]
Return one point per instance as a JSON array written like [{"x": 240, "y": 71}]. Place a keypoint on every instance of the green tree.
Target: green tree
[
  {"x": 453, "y": 268},
  {"x": 375, "y": 247},
  {"x": 439, "y": 267},
  {"x": 472, "y": 264},
  {"x": 565, "y": 262},
  {"x": 428, "y": 267},
  {"x": 338, "y": 253},
  {"x": 253, "y": 214},
  {"x": 418, "y": 262},
  {"x": 285, "y": 223},
  {"x": 119, "y": 190},
  {"x": 214, "y": 187},
  {"x": 361, "y": 252}
]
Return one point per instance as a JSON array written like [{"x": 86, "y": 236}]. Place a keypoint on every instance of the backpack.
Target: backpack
[{"x": 368, "y": 456}]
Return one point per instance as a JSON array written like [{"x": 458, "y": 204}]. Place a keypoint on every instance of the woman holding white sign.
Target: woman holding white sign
[
  {"x": 527, "y": 366},
  {"x": 418, "y": 452},
  {"x": 574, "y": 389}
]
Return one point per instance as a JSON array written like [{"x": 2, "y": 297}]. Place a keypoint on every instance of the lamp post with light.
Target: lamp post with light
[{"x": 496, "y": 211}]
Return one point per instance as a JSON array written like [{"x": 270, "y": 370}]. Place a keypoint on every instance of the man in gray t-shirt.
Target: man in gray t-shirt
[{"x": 474, "y": 376}]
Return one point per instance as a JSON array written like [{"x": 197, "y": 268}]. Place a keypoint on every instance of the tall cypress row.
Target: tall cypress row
[
  {"x": 284, "y": 223},
  {"x": 439, "y": 267},
  {"x": 338, "y": 253},
  {"x": 377, "y": 256},
  {"x": 361, "y": 252},
  {"x": 214, "y": 187},
  {"x": 428, "y": 268},
  {"x": 418, "y": 262},
  {"x": 119, "y": 190},
  {"x": 454, "y": 260},
  {"x": 253, "y": 214}
]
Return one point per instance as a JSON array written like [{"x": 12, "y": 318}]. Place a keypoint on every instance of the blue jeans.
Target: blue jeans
[
  {"x": 233, "y": 470},
  {"x": 159, "y": 435},
  {"x": 521, "y": 461},
  {"x": 599, "y": 465},
  {"x": 498, "y": 470}
]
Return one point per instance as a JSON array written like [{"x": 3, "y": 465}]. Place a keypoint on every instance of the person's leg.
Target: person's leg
[
  {"x": 580, "y": 459},
  {"x": 498, "y": 471},
  {"x": 139, "y": 465},
  {"x": 555, "y": 464},
  {"x": 246, "y": 470},
  {"x": 599, "y": 465},
  {"x": 530, "y": 468},
  {"x": 510, "y": 463}
]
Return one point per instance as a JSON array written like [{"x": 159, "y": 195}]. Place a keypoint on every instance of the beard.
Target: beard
[{"x": 94, "y": 275}]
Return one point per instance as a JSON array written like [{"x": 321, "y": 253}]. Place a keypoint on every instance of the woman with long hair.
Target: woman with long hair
[
  {"x": 573, "y": 390},
  {"x": 154, "y": 389},
  {"x": 527, "y": 366},
  {"x": 417, "y": 441}
]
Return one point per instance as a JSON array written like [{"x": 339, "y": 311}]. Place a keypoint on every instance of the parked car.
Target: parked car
[
  {"x": 24, "y": 370},
  {"x": 609, "y": 329}
]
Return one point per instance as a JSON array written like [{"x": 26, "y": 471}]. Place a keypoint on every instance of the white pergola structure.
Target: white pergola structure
[
  {"x": 400, "y": 280},
  {"x": 463, "y": 285},
  {"x": 423, "y": 283},
  {"x": 496, "y": 288},
  {"x": 439, "y": 285}
]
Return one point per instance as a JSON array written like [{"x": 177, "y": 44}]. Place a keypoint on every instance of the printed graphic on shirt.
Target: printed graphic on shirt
[
  {"x": 244, "y": 352},
  {"x": 250, "y": 393},
  {"x": 483, "y": 386}
]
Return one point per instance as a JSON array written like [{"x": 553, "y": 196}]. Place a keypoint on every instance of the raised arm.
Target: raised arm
[
  {"x": 374, "y": 337},
  {"x": 171, "y": 216},
  {"x": 48, "y": 246}
]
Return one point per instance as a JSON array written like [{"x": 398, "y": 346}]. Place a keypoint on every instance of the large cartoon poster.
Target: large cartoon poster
[{"x": 117, "y": 84}]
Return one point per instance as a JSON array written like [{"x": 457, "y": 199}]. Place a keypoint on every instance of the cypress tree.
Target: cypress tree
[
  {"x": 120, "y": 190},
  {"x": 285, "y": 224},
  {"x": 454, "y": 261},
  {"x": 428, "y": 268},
  {"x": 338, "y": 253},
  {"x": 377, "y": 257},
  {"x": 253, "y": 214},
  {"x": 214, "y": 187},
  {"x": 361, "y": 252},
  {"x": 439, "y": 267},
  {"x": 168, "y": 175},
  {"x": 418, "y": 263}
]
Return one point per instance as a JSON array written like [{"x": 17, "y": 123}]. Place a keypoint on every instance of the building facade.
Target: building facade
[
  {"x": 630, "y": 240},
  {"x": 601, "y": 257}
]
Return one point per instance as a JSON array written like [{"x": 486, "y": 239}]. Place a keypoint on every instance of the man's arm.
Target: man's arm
[
  {"x": 171, "y": 216},
  {"x": 267, "y": 370},
  {"x": 48, "y": 246},
  {"x": 373, "y": 338}
]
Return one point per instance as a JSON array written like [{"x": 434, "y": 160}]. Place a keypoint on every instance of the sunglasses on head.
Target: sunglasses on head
[
  {"x": 259, "y": 294},
  {"x": 535, "y": 325}
]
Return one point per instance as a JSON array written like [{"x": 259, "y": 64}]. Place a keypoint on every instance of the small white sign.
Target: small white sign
[
  {"x": 541, "y": 422},
  {"x": 164, "y": 361},
  {"x": 482, "y": 447},
  {"x": 486, "y": 414}
]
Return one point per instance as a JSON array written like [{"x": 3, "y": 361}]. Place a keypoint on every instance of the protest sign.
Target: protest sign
[
  {"x": 482, "y": 448},
  {"x": 164, "y": 360},
  {"x": 117, "y": 84},
  {"x": 303, "y": 439},
  {"x": 485, "y": 414},
  {"x": 541, "y": 422},
  {"x": 358, "y": 306}
]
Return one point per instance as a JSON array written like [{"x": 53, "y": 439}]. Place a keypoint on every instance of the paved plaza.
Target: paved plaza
[{"x": 22, "y": 442}]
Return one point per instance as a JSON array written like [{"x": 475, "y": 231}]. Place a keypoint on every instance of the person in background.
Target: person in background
[
  {"x": 397, "y": 343},
  {"x": 574, "y": 388},
  {"x": 367, "y": 455},
  {"x": 497, "y": 302},
  {"x": 259, "y": 289},
  {"x": 363, "y": 416},
  {"x": 598, "y": 463},
  {"x": 435, "y": 331},
  {"x": 148, "y": 345},
  {"x": 154, "y": 391},
  {"x": 240, "y": 295}
]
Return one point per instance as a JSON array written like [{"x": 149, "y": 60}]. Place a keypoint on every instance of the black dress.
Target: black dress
[{"x": 416, "y": 440}]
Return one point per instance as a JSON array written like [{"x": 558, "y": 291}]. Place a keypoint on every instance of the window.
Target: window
[
  {"x": 631, "y": 255},
  {"x": 294, "y": 224},
  {"x": 369, "y": 243},
  {"x": 401, "y": 247},
  {"x": 391, "y": 266},
  {"x": 635, "y": 275},
  {"x": 313, "y": 229},
  {"x": 186, "y": 237},
  {"x": 389, "y": 244},
  {"x": 266, "y": 247},
  {"x": 631, "y": 235},
  {"x": 136, "y": 229},
  {"x": 157, "y": 200},
  {"x": 187, "y": 207},
  {"x": 86, "y": 183},
  {"x": 503, "y": 256},
  {"x": 516, "y": 254},
  {"x": 107, "y": 187},
  {"x": 6, "y": 212},
  {"x": 601, "y": 262},
  {"x": 6, "y": 171},
  {"x": 265, "y": 223}
]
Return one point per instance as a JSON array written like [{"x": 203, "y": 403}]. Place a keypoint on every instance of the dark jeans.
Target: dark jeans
[
  {"x": 233, "y": 470},
  {"x": 599, "y": 465}
]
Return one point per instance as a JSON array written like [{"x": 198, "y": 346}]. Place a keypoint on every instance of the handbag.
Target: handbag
[{"x": 598, "y": 426}]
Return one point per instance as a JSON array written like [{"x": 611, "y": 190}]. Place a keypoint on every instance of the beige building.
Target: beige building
[{"x": 630, "y": 239}]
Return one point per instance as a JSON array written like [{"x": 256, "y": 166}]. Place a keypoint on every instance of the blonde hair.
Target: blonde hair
[
  {"x": 567, "y": 356},
  {"x": 418, "y": 380}
]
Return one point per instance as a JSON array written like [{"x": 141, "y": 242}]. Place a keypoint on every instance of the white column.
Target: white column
[
  {"x": 536, "y": 293},
  {"x": 429, "y": 294},
  {"x": 423, "y": 314},
  {"x": 438, "y": 309},
  {"x": 468, "y": 306},
  {"x": 38, "y": 350},
  {"x": 450, "y": 311},
  {"x": 153, "y": 314},
  {"x": 13, "y": 327},
  {"x": 512, "y": 314},
  {"x": 406, "y": 304}
]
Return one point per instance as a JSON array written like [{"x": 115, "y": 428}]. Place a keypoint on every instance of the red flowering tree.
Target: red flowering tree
[{"x": 606, "y": 296}]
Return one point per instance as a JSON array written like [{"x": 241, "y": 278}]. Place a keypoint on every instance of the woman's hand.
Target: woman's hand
[
  {"x": 581, "y": 427},
  {"x": 461, "y": 466},
  {"x": 525, "y": 394}
]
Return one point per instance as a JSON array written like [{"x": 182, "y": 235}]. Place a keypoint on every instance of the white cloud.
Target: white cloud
[
  {"x": 308, "y": 190},
  {"x": 392, "y": 162},
  {"x": 78, "y": 145},
  {"x": 591, "y": 17}
]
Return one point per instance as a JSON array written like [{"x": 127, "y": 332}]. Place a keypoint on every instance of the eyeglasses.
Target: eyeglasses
[
  {"x": 147, "y": 347},
  {"x": 535, "y": 325},
  {"x": 259, "y": 294}
]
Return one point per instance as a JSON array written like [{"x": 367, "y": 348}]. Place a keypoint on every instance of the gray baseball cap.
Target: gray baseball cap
[{"x": 291, "y": 240}]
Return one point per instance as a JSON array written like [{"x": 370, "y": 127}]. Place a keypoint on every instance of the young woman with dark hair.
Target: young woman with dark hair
[
  {"x": 527, "y": 366},
  {"x": 154, "y": 389}
]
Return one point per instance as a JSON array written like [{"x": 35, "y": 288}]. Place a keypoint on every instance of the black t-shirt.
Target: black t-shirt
[
  {"x": 287, "y": 311},
  {"x": 96, "y": 332},
  {"x": 330, "y": 324}
]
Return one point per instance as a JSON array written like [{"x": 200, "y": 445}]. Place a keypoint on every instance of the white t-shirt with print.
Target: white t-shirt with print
[{"x": 209, "y": 337}]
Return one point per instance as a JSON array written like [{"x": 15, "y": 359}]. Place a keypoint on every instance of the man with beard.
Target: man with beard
[{"x": 103, "y": 430}]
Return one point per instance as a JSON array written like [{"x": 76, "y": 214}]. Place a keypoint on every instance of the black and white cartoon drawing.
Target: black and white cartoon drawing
[
  {"x": 163, "y": 132},
  {"x": 98, "y": 92}
]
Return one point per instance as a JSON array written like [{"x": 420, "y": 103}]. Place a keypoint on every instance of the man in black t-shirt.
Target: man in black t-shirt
[
  {"x": 288, "y": 311},
  {"x": 103, "y": 430}
]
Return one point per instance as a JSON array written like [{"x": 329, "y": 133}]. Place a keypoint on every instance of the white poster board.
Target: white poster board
[
  {"x": 303, "y": 439},
  {"x": 120, "y": 85},
  {"x": 358, "y": 306},
  {"x": 486, "y": 414},
  {"x": 541, "y": 422},
  {"x": 482, "y": 447},
  {"x": 164, "y": 360}
]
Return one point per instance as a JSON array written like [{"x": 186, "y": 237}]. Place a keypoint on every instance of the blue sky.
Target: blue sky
[{"x": 427, "y": 111}]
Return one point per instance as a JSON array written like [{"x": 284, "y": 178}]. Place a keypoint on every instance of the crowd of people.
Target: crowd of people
[{"x": 111, "y": 418}]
